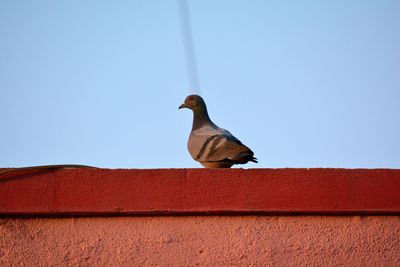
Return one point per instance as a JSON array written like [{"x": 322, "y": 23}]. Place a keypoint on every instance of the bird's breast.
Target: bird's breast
[{"x": 196, "y": 144}]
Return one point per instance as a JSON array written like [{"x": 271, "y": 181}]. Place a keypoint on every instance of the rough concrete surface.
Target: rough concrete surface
[{"x": 201, "y": 241}]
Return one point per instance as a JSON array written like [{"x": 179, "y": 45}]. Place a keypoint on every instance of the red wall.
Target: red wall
[
  {"x": 286, "y": 217},
  {"x": 202, "y": 240},
  {"x": 91, "y": 191}
]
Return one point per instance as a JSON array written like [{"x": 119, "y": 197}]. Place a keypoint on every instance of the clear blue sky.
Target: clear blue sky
[{"x": 303, "y": 83}]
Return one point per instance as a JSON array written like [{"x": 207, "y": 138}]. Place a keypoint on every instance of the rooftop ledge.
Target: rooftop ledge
[{"x": 110, "y": 192}]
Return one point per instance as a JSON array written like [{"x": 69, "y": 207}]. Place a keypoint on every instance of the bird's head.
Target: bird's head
[{"x": 194, "y": 102}]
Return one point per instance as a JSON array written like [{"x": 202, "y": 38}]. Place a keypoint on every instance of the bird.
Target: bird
[{"x": 210, "y": 145}]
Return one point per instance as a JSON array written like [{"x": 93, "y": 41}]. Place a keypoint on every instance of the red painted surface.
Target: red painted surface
[
  {"x": 201, "y": 241},
  {"x": 188, "y": 191}
]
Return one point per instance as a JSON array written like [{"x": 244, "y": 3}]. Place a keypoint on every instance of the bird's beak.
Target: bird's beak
[{"x": 182, "y": 106}]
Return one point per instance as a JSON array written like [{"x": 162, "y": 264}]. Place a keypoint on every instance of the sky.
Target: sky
[{"x": 304, "y": 84}]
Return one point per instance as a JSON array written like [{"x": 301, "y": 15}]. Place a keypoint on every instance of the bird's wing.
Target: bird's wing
[{"x": 217, "y": 144}]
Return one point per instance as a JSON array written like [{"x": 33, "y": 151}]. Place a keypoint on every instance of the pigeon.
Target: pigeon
[{"x": 211, "y": 146}]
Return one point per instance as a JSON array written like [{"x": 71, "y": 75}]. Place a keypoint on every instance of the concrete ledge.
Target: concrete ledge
[
  {"x": 291, "y": 241},
  {"x": 92, "y": 192}
]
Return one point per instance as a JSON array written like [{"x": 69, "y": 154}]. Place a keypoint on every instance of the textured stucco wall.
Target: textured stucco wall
[{"x": 201, "y": 240}]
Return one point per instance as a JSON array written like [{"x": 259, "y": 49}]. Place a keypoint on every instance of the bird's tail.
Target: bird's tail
[{"x": 253, "y": 159}]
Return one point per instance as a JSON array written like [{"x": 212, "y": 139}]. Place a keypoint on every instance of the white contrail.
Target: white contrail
[{"x": 187, "y": 38}]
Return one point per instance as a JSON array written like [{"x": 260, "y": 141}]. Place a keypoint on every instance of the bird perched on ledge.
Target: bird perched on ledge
[{"x": 210, "y": 145}]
